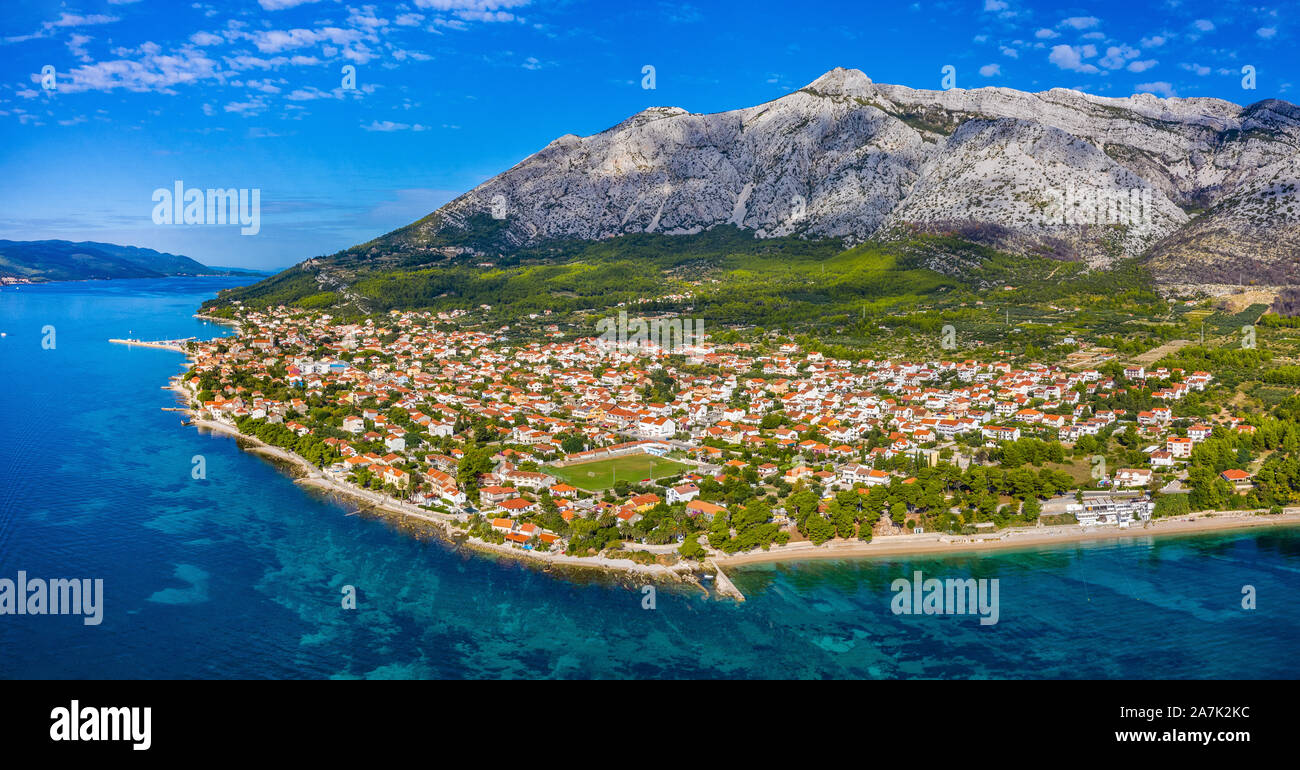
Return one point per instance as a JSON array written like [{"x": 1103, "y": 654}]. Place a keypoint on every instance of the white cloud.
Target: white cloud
[
  {"x": 1141, "y": 66},
  {"x": 1199, "y": 69},
  {"x": 995, "y": 5},
  {"x": 989, "y": 70},
  {"x": 359, "y": 53},
  {"x": 276, "y": 40},
  {"x": 153, "y": 71},
  {"x": 401, "y": 54},
  {"x": 1080, "y": 22},
  {"x": 1117, "y": 56},
  {"x": 1046, "y": 34},
  {"x": 308, "y": 94},
  {"x": 1266, "y": 32},
  {"x": 1204, "y": 25},
  {"x": 279, "y": 5},
  {"x": 1069, "y": 57},
  {"x": 1155, "y": 41},
  {"x": 473, "y": 10},
  {"x": 65, "y": 20},
  {"x": 388, "y": 125},
  {"x": 77, "y": 46},
  {"x": 1160, "y": 88},
  {"x": 251, "y": 107},
  {"x": 366, "y": 18},
  {"x": 75, "y": 20}
]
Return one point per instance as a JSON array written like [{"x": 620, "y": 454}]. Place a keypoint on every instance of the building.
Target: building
[
  {"x": 1000, "y": 433},
  {"x": 1240, "y": 480},
  {"x": 1107, "y": 509},
  {"x": 1162, "y": 459},
  {"x": 1132, "y": 477},
  {"x": 517, "y": 505},
  {"x": 683, "y": 493},
  {"x": 705, "y": 509}
]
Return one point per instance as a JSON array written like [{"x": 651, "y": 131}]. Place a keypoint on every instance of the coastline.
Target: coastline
[
  {"x": 217, "y": 320},
  {"x": 921, "y": 545},
  {"x": 715, "y": 562},
  {"x": 682, "y": 572}
]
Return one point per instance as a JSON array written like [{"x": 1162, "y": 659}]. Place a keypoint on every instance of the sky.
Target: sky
[{"x": 444, "y": 94}]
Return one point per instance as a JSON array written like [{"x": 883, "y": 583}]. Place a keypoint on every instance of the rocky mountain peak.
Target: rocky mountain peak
[
  {"x": 1216, "y": 183},
  {"x": 841, "y": 82}
]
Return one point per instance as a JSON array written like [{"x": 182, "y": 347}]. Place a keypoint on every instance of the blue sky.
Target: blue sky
[{"x": 249, "y": 93}]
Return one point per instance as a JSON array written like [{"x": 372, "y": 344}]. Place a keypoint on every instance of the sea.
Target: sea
[{"x": 244, "y": 574}]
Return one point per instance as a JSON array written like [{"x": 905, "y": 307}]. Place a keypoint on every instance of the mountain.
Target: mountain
[
  {"x": 1200, "y": 190},
  {"x": 68, "y": 261}
]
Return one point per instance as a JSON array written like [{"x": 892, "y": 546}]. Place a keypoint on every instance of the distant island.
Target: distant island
[{"x": 40, "y": 261}]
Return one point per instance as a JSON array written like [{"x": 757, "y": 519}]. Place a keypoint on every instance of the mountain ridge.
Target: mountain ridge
[
  {"x": 61, "y": 260},
  {"x": 850, "y": 159}
]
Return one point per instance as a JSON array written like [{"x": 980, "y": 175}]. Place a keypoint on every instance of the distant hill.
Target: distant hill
[{"x": 68, "y": 261}]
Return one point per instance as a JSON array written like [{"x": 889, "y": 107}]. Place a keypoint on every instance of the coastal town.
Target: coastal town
[{"x": 560, "y": 442}]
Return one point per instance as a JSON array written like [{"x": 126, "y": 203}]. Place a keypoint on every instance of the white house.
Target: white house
[
  {"x": 1132, "y": 477},
  {"x": 683, "y": 493},
  {"x": 656, "y": 427}
]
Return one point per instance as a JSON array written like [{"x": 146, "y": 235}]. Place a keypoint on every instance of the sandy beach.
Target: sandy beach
[{"x": 1025, "y": 537}]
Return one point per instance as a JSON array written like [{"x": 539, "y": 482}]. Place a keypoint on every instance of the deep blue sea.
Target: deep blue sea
[{"x": 240, "y": 575}]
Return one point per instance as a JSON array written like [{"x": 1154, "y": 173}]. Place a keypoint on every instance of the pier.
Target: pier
[
  {"x": 176, "y": 345},
  {"x": 723, "y": 584}
]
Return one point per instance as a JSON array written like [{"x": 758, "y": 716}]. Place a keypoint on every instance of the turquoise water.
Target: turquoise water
[{"x": 239, "y": 575}]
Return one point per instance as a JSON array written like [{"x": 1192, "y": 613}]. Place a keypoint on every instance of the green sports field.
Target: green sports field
[{"x": 602, "y": 474}]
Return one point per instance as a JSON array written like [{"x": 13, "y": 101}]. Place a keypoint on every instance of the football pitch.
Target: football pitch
[{"x": 602, "y": 474}]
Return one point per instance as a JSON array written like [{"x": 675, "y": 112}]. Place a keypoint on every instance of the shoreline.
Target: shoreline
[
  {"x": 45, "y": 282},
  {"x": 311, "y": 476},
  {"x": 217, "y": 320},
  {"x": 715, "y": 562},
  {"x": 920, "y": 545},
  {"x": 684, "y": 572}
]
